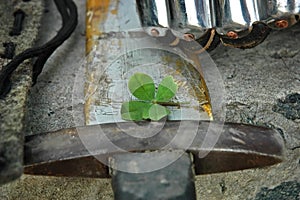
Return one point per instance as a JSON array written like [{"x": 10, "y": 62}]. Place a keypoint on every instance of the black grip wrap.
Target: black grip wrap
[{"x": 257, "y": 35}]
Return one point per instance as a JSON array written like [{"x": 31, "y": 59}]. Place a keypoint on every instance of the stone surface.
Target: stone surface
[
  {"x": 174, "y": 181},
  {"x": 50, "y": 100},
  {"x": 289, "y": 107},
  {"x": 12, "y": 108},
  {"x": 255, "y": 80},
  {"x": 286, "y": 190}
]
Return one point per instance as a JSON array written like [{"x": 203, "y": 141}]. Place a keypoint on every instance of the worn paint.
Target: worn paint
[
  {"x": 200, "y": 90},
  {"x": 203, "y": 95},
  {"x": 97, "y": 12},
  {"x": 96, "y": 15},
  {"x": 207, "y": 106}
]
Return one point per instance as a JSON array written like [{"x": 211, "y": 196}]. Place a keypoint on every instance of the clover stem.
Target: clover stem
[{"x": 178, "y": 104}]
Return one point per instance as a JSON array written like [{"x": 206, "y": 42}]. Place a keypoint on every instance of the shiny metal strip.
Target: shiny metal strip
[
  {"x": 222, "y": 14},
  {"x": 287, "y": 6}
]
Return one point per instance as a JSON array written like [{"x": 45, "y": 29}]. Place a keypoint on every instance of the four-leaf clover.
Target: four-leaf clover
[{"x": 150, "y": 103}]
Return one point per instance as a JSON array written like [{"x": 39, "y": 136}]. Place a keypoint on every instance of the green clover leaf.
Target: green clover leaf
[
  {"x": 142, "y": 86},
  {"x": 133, "y": 110},
  {"x": 166, "y": 89},
  {"x": 157, "y": 112}
]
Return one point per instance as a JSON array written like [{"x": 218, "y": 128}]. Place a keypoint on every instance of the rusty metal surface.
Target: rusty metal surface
[
  {"x": 239, "y": 147},
  {"x": 97, "y": 13}
]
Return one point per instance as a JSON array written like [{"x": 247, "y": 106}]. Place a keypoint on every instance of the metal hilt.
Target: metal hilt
[{"x": 224, "y": 15}]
